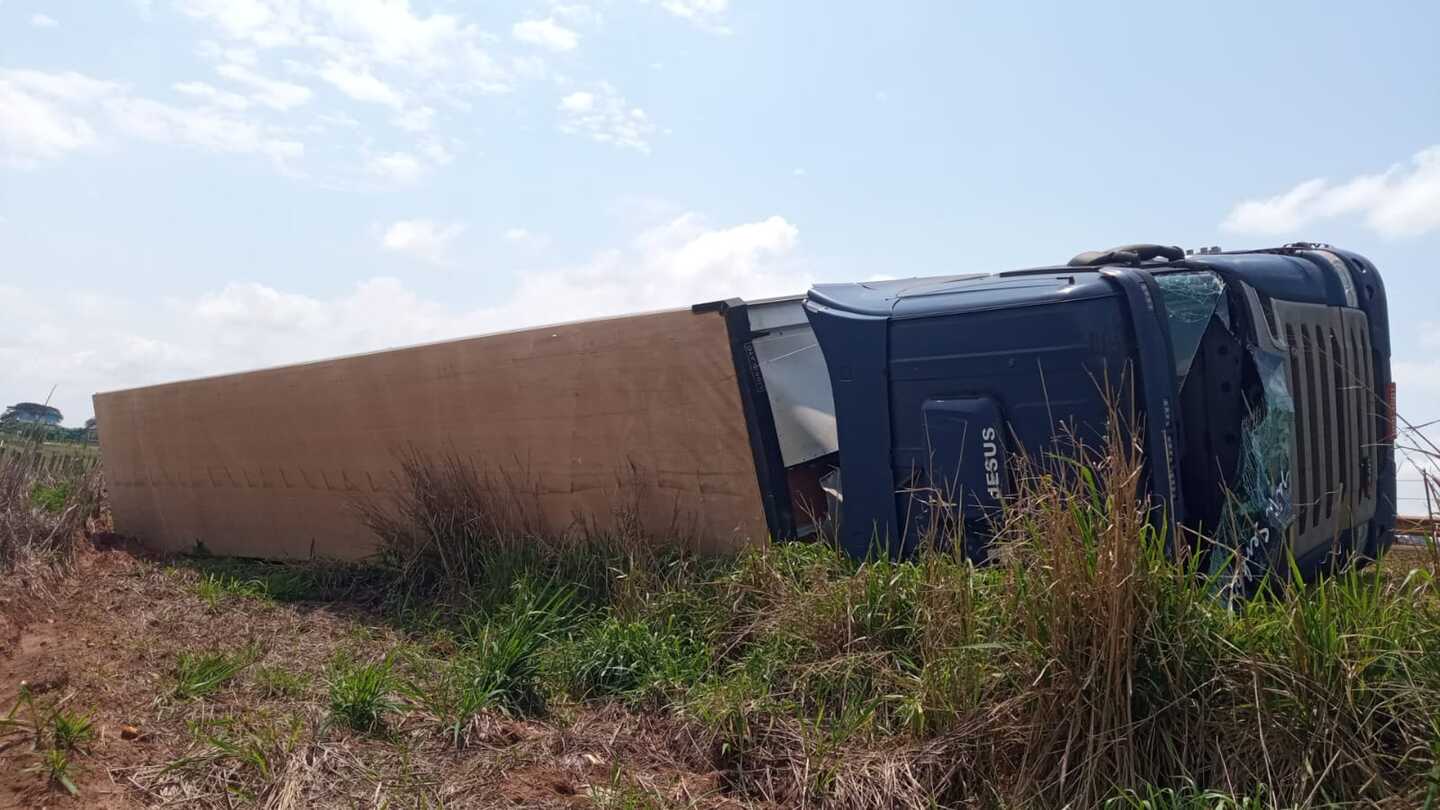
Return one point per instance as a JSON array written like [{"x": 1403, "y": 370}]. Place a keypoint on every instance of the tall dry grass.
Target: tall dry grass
[
  {"x": 1090, "y": 663},
  {"x": 48, "y": 502},
  {"x": 460, "y": 533}
]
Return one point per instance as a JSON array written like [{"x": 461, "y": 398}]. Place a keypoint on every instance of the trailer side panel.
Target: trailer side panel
[{"x": 581, "y": 418}]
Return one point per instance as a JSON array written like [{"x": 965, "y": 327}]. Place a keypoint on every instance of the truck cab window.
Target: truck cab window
[{"x": 1191, "y": 300}]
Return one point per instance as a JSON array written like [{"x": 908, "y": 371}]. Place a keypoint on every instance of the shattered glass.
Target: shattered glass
[
  {"x": 1261, "y": 507},
  {"x": 1266, "y": 442},
  {"x": 1190, "y": 301}
]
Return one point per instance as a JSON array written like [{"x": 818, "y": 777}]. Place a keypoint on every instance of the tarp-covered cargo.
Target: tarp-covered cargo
[{"x": 269, "y": 463}]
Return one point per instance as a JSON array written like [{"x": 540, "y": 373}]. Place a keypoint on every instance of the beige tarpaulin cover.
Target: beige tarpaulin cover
[{"x": 268, "y": 463}]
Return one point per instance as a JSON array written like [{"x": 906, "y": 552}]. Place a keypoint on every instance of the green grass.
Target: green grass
[
  {"x": 222, "y": 578},
  {"x": 46, "y": 503},
  {"x": 56, "y": 766},
  {"x": 276, "y": 682},
  {"x": 55, "y": 734},
  {"x": 621, "y": 793},
  {"x": 198, "y": 674},
  {"x": 71, "y": 730},
  {"x": 248, "y": 751},
  {"x": 362, "y": 694},
  {"x": 52, "y": 497},
  {"x": 635, "y": 661},
  {"x": 496, "y": 663},
  {"x": 1087, "y": 667},
  {"x": 214, "y": 589}
]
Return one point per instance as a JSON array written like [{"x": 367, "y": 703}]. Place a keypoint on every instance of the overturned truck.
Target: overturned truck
[{"x": 1262, "y": 379}]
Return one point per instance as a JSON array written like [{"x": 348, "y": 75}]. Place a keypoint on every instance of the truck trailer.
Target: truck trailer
[{"x": 1261, "y": 379}]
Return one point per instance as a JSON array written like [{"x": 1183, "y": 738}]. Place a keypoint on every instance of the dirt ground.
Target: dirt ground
[{"x": 107, "y": 642}]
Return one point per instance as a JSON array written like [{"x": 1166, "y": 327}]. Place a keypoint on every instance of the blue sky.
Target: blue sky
[{"x": 192, "y": 186}]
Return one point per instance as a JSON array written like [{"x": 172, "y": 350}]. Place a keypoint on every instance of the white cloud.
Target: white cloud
[
  {"x": 407, "y": 167},
  {"x": 361, "y": 31},
  {"x": 66, "y": 86},
  {"x": 421, "y": 238},
  {"x": 207, "y": 129},
  {"x": 707, "y": 14},
  {"x": 398, "y": 167},
  {"x": 578, "y": 102},
  {"x": 1402, "y": 201},
  {"x": 35, "y": 125},
  {"x": 44, "y": 116},
  {"x": 545, "y": 33},
  {"x": 679, "y": 263},
  {"x": 38, "y": 20},
  {"x": 360, "y": 84},
  {"x": 415, "y": 119},
  {"x": 436, "y": 153},
  {"x": 604, "y": 116},
  {"x": 212, "y": 94},
  {"x": 525, "y": 238},
  {"x": 119, "y": 343},
  {"x": 422, "y": 62},
  {"x": 416, "y": 62},
  {"x": 273, "y": 93}
]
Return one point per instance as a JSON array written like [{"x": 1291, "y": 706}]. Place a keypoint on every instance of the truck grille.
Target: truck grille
[{"x": 1337, "y": 418}]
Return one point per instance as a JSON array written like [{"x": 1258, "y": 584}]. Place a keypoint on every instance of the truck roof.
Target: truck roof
[
  {"x": 918, "y": 297},
  {"x": 1280, "y": 272}
]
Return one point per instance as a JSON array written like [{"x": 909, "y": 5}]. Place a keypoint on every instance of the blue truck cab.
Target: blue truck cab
[{"x": 1261, "y": 380}]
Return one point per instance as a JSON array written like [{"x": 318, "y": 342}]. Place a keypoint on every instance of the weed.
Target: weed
[
  {"x": 199, "y": 674},
  {"x": 71, "y": 730},
  {"x": 51, "y": 498},
  {"x": 55, "y": 733},
  {"x": 55, "y": 765},
  {"x": 362, "y": 694}
]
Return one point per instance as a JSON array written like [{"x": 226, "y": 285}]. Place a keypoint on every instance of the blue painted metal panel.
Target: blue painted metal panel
[{"x": 1039, "y": 347}]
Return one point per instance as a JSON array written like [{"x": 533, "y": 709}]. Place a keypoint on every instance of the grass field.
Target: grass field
[{"x": 470, "y": 666}]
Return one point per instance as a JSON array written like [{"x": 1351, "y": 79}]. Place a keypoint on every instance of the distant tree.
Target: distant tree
[{"x": 31, "y": 413}]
